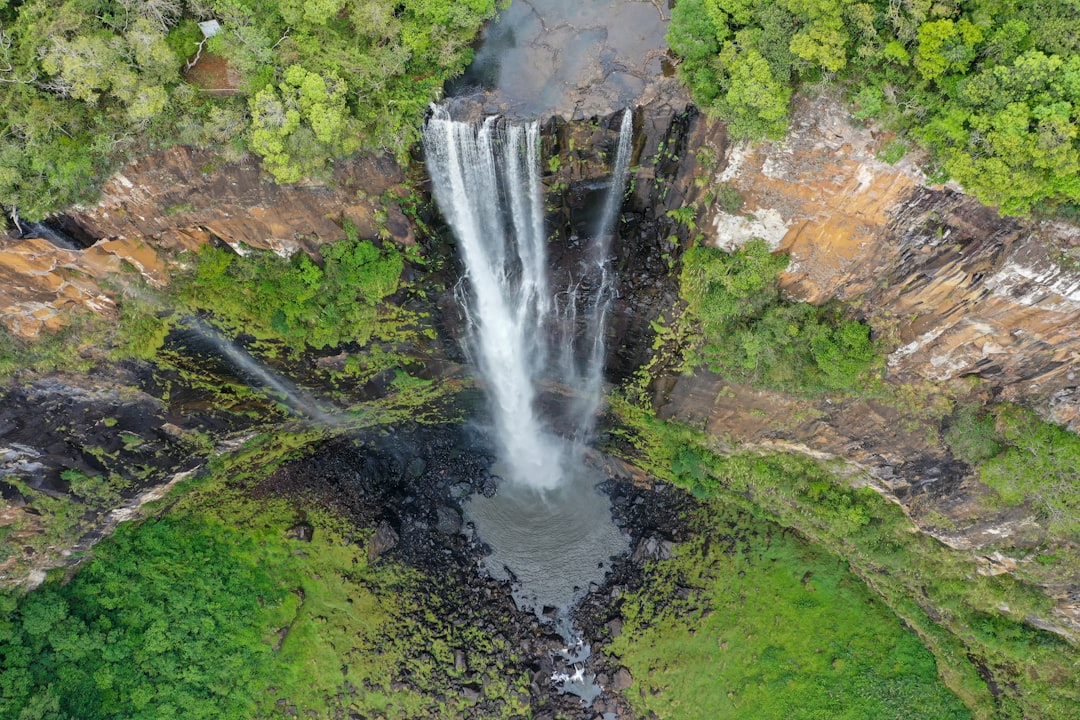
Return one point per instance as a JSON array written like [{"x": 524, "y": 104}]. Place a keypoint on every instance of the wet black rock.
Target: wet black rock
[
  {"x": 448, "y": 520},
  {"x": 384, "y": 539},
  {"x": 415, "y": 511}
]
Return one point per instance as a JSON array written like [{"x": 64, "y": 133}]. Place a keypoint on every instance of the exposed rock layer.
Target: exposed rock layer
[
  {"x": 176, "y": 201},
  {"x": 956, "y": 289}
]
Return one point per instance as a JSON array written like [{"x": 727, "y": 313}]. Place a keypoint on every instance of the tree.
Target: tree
[
  {"x": 1041, "y": 465},
  {"x": 755, "y": 101},
  {"x": 823, "y": 40},
  {"x": 301, "y": 123},
  {"x": 946, "y": 47}
]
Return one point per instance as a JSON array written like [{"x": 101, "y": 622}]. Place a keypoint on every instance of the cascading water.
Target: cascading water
[
  {"x": 586, "y": 304},
  {"x": 486, "y": 180},
  {"x": 549, "y": 528},
  {"x": 487, "y": 184}
]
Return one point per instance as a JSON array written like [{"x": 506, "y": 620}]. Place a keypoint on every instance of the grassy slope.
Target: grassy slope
[
  {"x": 773, "y": 629},
  {"x": 314, "y": 625},
  {"x": 975, "y": 625}
]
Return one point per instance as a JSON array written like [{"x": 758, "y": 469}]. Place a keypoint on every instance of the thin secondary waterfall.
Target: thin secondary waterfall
[
  {"x": 486, "y": 180},
  {"x": 587, "y": 302}
]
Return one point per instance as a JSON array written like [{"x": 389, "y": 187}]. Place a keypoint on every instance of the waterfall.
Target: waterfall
[
  {"x": 587, "y": 302},
  {"x": 486, "y": 181}
]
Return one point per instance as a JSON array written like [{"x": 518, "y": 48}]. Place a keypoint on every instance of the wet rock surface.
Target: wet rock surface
[
  {"x": 100, "y": 445},
  {"x": 646, "y": 243},
  {"x": 572, "y": 58},
  {"x": 408, "y": 486}
]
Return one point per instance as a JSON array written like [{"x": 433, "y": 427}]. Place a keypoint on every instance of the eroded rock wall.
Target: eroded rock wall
[
  {"x": 954, "y": 288},
  {"x": 178, "y": 200}
]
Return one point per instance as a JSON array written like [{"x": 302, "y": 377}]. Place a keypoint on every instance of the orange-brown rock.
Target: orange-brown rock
[
  {"x": 176, "y": 201},
  {"x": 165, "y": 195},
  {"x": 959, "y": 289}
]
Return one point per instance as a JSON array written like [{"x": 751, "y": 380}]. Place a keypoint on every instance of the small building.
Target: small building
[{"x": 210, "y": 28}]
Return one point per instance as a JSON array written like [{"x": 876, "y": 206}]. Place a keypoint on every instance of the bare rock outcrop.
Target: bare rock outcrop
[{"x": 957, "y": 289}]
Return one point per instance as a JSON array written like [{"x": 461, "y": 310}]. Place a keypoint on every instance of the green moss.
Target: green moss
[{"x": 49, "y": 351}]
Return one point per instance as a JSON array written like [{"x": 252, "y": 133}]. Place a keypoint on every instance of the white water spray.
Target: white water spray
[
  {"x": 586, "y": 303},
  {"x": 486, "y": 180}
]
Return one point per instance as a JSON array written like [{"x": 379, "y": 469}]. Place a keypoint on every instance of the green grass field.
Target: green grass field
[{"x": 748, "y": 621}]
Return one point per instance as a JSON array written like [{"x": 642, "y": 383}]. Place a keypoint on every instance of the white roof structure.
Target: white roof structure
[{"x": 210, "y": 28}]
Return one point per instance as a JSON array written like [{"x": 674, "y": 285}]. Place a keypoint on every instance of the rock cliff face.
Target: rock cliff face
[
  {"x": 955, "y": 291},
  {"x": 176, "y": 201},
  {"x": 958, "y": 289},
  {"x": 174, "y": 194}
]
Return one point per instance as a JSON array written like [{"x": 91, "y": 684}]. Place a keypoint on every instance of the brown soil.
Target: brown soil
[{"x": 213, "y": 73}]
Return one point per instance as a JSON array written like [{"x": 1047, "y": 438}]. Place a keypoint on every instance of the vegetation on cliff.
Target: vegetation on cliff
[
  {"x": 1024, "y": 459},
  {"x": 156, "y": 390},
  {"x": 992, "y": 86},
  {"x": 86, "y": 84},
  {"x": 737, "y": 324},
  {"x": 297, "y": 301}
]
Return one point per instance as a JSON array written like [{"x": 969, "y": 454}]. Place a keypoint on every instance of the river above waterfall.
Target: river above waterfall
[{"x": 574, "y": 58}]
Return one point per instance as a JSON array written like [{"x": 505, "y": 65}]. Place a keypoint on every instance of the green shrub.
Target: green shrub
[
  {"x": 741, "y": 327},
  {"x": 972, "y": 436},
  {"x": 1023, "y": 458},
  {"x": 1040, "y": 465},
  {"x": 730, "y": 199},
  {"x": 893, "y": 152},
  {"x": 295, "y": 300}
]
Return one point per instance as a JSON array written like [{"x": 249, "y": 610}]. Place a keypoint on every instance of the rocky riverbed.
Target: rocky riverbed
[{"x": 411, "y": 483}]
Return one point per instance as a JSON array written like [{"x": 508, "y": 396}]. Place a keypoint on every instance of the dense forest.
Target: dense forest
[
  {"x": 86, "y": 84},
  {"x": 991, "y": 87}
]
